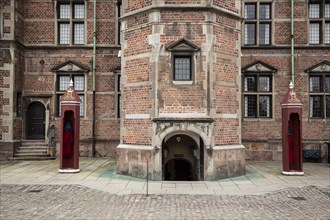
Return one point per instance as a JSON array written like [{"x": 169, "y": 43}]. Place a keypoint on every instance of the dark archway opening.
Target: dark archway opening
[
  {"x": 178, "y": 170},
  {"x": 183, "y": 158}
]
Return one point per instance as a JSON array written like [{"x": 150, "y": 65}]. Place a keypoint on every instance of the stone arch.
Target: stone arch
[
  {"x": 182, "y": 156},
  {"x": 189, "y": 130},
  {"x": 27, "y": 102},
  {"x": 35, "y": 120}
]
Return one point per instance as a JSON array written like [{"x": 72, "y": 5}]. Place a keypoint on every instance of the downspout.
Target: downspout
[
  {"x": 94, "y": 71},
  {"x": 292, "y": 44}
]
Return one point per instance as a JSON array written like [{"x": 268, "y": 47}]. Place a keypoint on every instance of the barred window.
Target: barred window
[
  {"x": 71, "y": 24},
  {"x": 257, "y": 24},
  {"x": 182, "y": 68},
  {"x": 257, "y": 96},
  {"x": 319, "y": 90},
  {"x": 319, "y": 22}
]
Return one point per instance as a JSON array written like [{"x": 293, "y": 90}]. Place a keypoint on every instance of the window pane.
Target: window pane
[
  {"x": 250, "y": 84},
  {"x": 327, "y": 33},
  {"x": 314, "y": 33},
  {"x": 182, "y": 68},
  {"x": 314, "y": 10},
  {"x": 64, "y": 33},
  {"x": 264, "y": 84},
  {"x": 327, "y": 98},
  {"x": 79, "y": 11},
  {"x": 64, "y": 11},
  {"x": 264, "y": 11},
  {"x": 79, "y": 83},
  {"x": 264, "y": 106},
  {"x": 316, "y": 106},
  {"x": 250, "y": 106},
  {"x": 79, "y": 31},
  {"x": 315, "y": 84},
  {"x": 63, "y": 83},
  {"x": 264, "y": 34},
  {"x": 81, "y": 105},
  {"x": 327, "y": 11},
  {"x": 250, "y": 11},
  {"x": 250, "y": 31},
  {"x": 327, "y": 84}
]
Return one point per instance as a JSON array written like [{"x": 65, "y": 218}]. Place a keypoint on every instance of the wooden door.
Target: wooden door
[{"x": 36, "y": 121}]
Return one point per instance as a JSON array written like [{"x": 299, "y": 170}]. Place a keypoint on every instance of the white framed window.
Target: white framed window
[
  {"x": 71, "y": 22},
  {"x": 319, "y": 95},
  {"x": 257, "y": 23},
  {"x": 319, "y": 22},
  {"x": 258, "y": 94}
]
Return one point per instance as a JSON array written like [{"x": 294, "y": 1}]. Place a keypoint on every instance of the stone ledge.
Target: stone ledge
[
  {"x": 229, "y": 147},
  {"x": 135, "y": 147}
]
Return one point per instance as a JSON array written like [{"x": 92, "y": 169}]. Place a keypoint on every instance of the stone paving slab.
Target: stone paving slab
[{"x": 100, "y": 173}]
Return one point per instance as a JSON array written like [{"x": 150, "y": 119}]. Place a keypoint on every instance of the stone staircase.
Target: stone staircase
[{"x": 33, "y": 150}]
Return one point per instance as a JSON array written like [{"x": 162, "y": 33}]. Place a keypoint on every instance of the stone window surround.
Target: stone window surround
[
  {"x": 60, "y": 92},
  {"x": 185, "y": 48},
  {"x": 321, "y": 69},
  {"x": 258, "y": 22},
  {"x": 58, "y": 21},
  {"x": 322, "y": 21},
  {"x": 189, "y": 55},
  {"x": 70, "y": 68},
  {"x": 259, "y": 68}
]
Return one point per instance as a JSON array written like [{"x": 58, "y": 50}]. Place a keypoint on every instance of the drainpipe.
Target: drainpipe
[
  {"x": 292, "y": 44},
  {"x": 94, "y": 71}
]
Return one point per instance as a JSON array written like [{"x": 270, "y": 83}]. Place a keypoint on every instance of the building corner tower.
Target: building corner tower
[{"x": 181, "y": 108}]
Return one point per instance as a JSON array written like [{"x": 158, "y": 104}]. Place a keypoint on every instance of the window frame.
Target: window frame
[
  {"x": 60, "y": 93},
  {"x": 321, "y": 93},
  {"x": 257, "y": 21},
  {"x": 71, "y": 21},
  {"x": 191, "y": 71},
  {"x": 258, "y": 93},
  {"x": 322, "y": 20}
]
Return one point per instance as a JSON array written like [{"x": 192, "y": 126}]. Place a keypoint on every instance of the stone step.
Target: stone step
[
  {"x": 26, "y": 144},
  {"x": 32, "y": 150},
  {"x": 29, "y": 154},
  {"x": 32, "y": 158}
]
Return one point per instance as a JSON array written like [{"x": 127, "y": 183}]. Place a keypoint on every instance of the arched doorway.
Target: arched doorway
[
  {"x": 182, "y": 158},
  {"x": 35, "y": 117}
]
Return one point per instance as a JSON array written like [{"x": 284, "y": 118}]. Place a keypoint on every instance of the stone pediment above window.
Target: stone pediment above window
[
  {"x": 70, "y": 66},
  {"x": 183, "y": 45},
  {"x": 322, "y": 67},
  {"x": 259, "y": 67}
]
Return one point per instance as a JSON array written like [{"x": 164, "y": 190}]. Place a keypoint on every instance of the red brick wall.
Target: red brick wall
[
  {"x": 228, "y": 4},
  {"x": 133, "y": 5}
]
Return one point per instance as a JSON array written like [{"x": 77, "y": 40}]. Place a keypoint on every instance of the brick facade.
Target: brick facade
[{"x": 210, "y": 105}]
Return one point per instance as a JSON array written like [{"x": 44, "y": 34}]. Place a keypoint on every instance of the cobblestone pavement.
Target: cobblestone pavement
[{"x": 79, "y": 202}]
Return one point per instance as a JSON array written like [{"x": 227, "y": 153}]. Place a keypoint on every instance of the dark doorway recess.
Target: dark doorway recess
[{"x": 35, "y": 117}]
